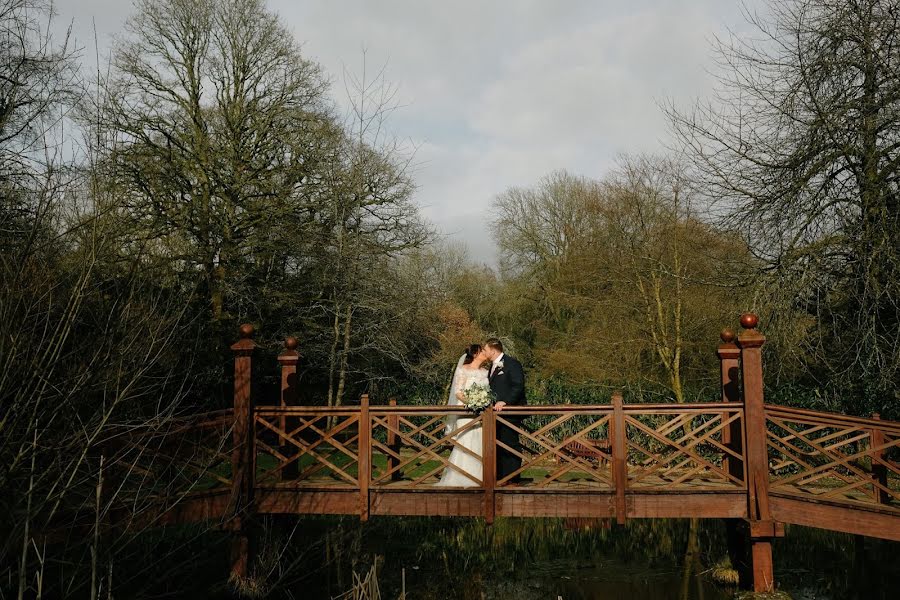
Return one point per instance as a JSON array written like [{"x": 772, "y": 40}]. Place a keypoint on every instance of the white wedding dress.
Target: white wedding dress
[{"x": 468, "y": 471}]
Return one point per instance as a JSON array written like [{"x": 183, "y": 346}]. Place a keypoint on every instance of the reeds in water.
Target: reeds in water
[{"x": 364, "y": 588}]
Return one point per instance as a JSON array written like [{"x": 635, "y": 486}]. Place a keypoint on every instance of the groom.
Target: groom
[{"x": 507, "y": 380}]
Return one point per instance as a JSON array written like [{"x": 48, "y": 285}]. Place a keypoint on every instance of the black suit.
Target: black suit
[{"x": 508, "y": 384}]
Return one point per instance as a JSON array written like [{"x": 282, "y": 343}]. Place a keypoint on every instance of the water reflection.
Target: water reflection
[
  {"x": 548, "y": 558},
  {"x": 572, "y": 559}
]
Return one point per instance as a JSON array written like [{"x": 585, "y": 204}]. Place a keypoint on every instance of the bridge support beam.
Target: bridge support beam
[
  {"x": 762, "y": 527},
  {"x": 763, "y": 568},
  {"x": 243, "y": 455},
  {"x": 762, "y": 534}
]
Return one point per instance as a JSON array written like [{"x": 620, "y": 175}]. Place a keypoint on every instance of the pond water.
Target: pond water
[{"x": 556, "y": 558}]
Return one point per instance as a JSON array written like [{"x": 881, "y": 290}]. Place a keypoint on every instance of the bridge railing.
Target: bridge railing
[
  {"x": 411, "y": 445},
  {"x": 307, "y": 444},
  {"x": 833, "y": 458},
  {"x": 154, "y": 465},
  {"x": 609, "y": 449},
  {"x": 684, "y": 446},
  {"x": 613, "y": 449}
]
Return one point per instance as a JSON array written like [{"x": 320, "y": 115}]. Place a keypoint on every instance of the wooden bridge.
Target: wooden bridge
[{"x": 755, "y": 465}]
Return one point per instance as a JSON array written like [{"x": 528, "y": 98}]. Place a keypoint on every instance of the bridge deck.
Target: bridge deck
[{"x": 551, "y": 501}]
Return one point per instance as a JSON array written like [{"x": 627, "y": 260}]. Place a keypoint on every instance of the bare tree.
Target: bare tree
[
  {"x": 87, "y": 343},
  {"x": 801, "y": 148},
  {"x": 372, "y": 223}
]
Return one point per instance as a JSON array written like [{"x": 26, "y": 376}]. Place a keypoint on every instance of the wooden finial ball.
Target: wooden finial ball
[
  {"x": 290, "y": 343},
  {"x": 247, "y": 330},
  {"x": 727, "y": 335},
  {"x": 749, "y": 321}
]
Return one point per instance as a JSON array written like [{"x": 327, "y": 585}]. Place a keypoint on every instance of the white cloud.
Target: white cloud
[{"x": 499, "y": 93}]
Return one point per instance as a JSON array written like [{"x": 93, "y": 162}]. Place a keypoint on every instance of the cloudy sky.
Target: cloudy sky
[{"x": 497, "y": 93}]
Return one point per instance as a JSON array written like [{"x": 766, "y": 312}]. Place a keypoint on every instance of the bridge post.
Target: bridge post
[
  {"x": 242, "y": 459},
  {"x": 364, "y": 471},
  {"x": 762, "y": 527},
  {"x": 733, "y": 438},
  {"x": 288, "y": 360},
  {"x": 489, "y": 462},
  {"x": 392, "y": 442},
  {"x": 619, "y": 456},
  {"x": 879, "y": 470}
]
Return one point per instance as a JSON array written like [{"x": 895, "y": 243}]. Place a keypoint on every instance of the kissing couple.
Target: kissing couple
[{"x": 486, "y": 365}]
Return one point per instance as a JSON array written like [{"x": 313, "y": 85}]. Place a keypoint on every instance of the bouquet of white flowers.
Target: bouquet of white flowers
[{"x": 477, "y": 398}]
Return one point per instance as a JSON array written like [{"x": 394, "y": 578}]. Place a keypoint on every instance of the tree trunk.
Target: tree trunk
[
  {"x": 333, "y": 357},
  {"x": 345, "y": 354}
]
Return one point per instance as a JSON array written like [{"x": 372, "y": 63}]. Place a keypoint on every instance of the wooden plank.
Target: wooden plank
[
  {"x": 192, "y": 509},
  {"x": 558, "y": 504},
  {"x": 308, "y": 502},
  {"x": 619, "y": 456},
  {"x": 560, "y": 409},
  {"x": 834, "y": 517},
  {"x": 714, "y": 505},
  {"x": 766, "y": 529},
  {"x": 435, "y": 502},
  {"x": 200, "y": 508},
  {"x": 699, "y": 408},
  {"x": 817, "y": 417},
  {"x": 306, "y": 411}
]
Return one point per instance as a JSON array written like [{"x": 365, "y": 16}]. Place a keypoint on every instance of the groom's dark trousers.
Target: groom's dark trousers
[{"x": 508, "y": 384}]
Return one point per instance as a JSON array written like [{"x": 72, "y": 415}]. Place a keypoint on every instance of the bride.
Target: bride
[{"x": 466, "y": 453}]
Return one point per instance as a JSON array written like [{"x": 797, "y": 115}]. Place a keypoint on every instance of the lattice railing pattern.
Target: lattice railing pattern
[
  {"x": 671, "y": 447},
  {"x": 169, "y": 459},
  {"x": 570, "y": 447},
  {"x": 413, "y": 450},
  {"x": 832, "y": 457},
  {"x": 306, "y": 446}
]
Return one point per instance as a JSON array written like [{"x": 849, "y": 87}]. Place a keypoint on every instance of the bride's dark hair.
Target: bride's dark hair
[{"x": 471, "y": 351}]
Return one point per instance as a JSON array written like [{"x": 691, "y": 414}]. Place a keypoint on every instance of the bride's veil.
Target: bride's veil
[{"x": 453, "y": 400}]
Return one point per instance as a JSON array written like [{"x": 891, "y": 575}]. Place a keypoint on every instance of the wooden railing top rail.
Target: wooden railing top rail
[
  {"x": 195, "y": 419},
  {"x": 695, "y": 407},
  {"x": 273, "y": 410},
  {"x": 532, "y": 409},
  {"x": 168, "y": 426},
  {"x": 806, "y": 415},
  {"x": 815, "y": 417}
]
